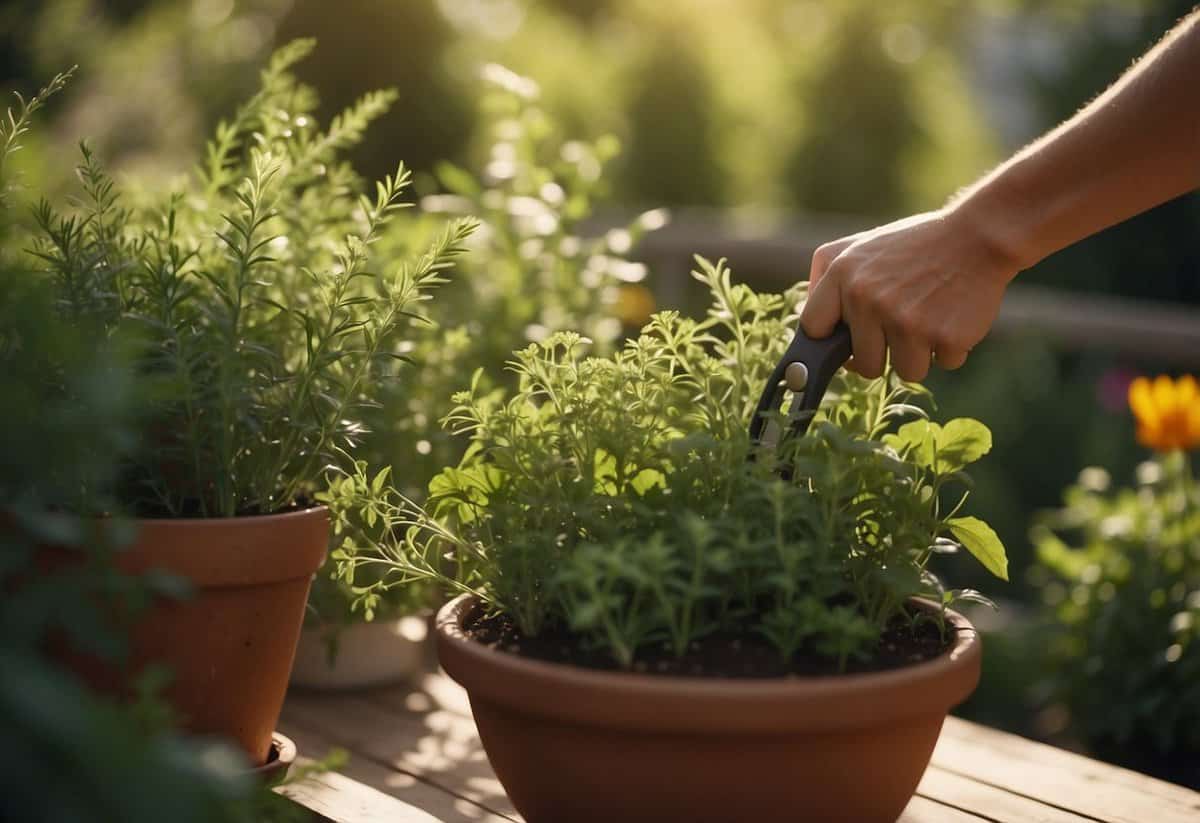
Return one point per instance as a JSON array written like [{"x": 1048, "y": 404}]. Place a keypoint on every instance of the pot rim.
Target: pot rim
[
  {"x": 166, "y": 522},
  {"x": 231, "y": 551},
  {"x": 227, "y": 522},
  {"x": 630, "y": 699}
]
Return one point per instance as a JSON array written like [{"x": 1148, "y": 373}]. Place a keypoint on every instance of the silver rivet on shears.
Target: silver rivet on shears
[{"x": 796, "y": 376}]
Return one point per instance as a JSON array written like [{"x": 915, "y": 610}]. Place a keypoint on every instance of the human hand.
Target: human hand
[{"x": 926, "y": 287}]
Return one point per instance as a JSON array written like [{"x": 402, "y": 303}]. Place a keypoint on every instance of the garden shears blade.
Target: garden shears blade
[{"x": 805, "y": 370}]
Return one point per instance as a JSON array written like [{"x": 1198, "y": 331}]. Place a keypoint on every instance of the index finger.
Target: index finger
[{"x": 823, "y": 257}]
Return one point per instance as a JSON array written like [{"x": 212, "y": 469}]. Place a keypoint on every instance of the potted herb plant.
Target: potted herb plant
[
  {"x": 652, "y": 625},
  {"x": 531, "y": 271},
  {"x": 259, "y": 315}
]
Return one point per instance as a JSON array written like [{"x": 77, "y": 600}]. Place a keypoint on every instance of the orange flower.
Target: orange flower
[{"x": 1167, "y": 412}]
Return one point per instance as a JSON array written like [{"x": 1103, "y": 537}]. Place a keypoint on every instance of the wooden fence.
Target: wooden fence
[{"x": 778, "y": 253}]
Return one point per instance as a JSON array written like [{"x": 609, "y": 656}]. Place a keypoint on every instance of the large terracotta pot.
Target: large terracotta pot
[
  {"x": 231, "y": 644},
  {"x": 576, "y": 744}
]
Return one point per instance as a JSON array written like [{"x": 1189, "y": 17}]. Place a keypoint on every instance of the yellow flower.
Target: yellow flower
[
  {"x": 635, "y": 304},
  {"x": 1167, "y": 412}
]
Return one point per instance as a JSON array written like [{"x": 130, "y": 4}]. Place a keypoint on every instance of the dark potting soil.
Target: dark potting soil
[
  {"x": 193, "y": 509},
  {"x": 722, "y": 654}
]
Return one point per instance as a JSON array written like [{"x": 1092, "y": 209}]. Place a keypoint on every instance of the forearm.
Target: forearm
[{"x": 1134, "y": 147}]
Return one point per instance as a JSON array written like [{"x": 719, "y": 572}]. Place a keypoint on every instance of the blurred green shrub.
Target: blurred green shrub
[
  {"x": 67, "y": 420},
  {"x": 70, "y": 421},
  {"x": 727, "y": 106},
  {"x": 400, "y": 45},
  {"x": 674, "y": 141},
  {"x": 1049, "y": 413},
  {"x": 1154, "y": 255},
  {"x": 1119, "y": 577},
  {"x": 157, "y": 74},
  {"x": 889, "y": 122},
  {"x": 734, "y": 105}
]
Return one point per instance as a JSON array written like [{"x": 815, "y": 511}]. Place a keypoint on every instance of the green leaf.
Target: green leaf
[
  {"x": 960, "y": 442},
  {"x": 648, "y": 479},
  {"x": 457, "y": 180},
  {"x": 605, "y": 471},
  {"x": 380, "y": 479},
  {"x": 944, "y": 449},
  {"x": 980, "y": 540},
  {"x": 915, "y": 440}
]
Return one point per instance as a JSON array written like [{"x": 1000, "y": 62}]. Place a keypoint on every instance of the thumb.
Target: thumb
[{"x": 823, "y": 309}]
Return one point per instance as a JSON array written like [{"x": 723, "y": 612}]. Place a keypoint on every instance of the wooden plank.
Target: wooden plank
[
  {"x": 299, "y": 812},
  {"x": 1071, "y": 320},
  {"x": 425, "y": 733},
  {"x": 923, "y": 810},
  {"x": 372, "y": 734},
  {"x": 339, "y": 799},
  {"x": 1088, "y": 788},
  {"x": 999, "y": 805},
  {"x": 435, "y": 690},
  {"x": 365, "y": 792},
  {"x": 949, "y": 796},
  {"x": 424, "y": 740}
]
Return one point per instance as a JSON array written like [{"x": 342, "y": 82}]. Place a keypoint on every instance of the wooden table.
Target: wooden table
[{"x": 415, "y": 758}]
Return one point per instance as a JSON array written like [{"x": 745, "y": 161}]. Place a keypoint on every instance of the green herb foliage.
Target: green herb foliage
[
  {"x": 1120, "y": 576},
  {"x": 16, "y": 123},
  {"x": 530, "y": 271},
  {"x": 259, "y": 309},
  {"x": 616, "y": 496}
]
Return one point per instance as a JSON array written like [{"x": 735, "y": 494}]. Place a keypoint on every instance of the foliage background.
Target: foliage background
[
  {"x": 753, "y": 107},
  {"x": 68, "y": 754}
]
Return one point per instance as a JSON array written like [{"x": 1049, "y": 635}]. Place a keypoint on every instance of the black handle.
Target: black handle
[{"x": 821, "y": 360}]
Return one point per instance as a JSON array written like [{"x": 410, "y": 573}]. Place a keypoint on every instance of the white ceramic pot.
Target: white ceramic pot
[{"x": 368, "y": 654}]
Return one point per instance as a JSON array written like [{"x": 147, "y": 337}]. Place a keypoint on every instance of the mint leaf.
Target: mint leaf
[
  {"x": 944, "y": 449},
  {"x": 915, "y": 441},
  {"x": 961, "y": 441},
  {"x": 980, "y": 540}
]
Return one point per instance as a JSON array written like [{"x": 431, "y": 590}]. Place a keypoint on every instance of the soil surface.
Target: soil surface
[
  {"x": 193, "y": 509},
  {"x": 724, "y": 654}
]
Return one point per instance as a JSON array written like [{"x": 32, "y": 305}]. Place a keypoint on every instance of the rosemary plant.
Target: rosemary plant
[
  {"x": 259, "y": 305},
  {"x": 613, "y": 496},
  {"x": 70, "y": 754},
  {"x": 15, "y": 124}
]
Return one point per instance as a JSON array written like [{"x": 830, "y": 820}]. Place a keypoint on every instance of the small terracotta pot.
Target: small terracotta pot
[
  {"x": 576, "y": 744},
  {"x": 230, "y": 646}
]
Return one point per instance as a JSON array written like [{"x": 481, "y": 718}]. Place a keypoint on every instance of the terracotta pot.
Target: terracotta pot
[
  {"x": 576, "y": 744},
  {"x": 231, "y": 644},
  {"x": 378, "y": 653}
]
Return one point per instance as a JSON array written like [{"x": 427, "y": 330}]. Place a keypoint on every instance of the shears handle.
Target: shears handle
[{"x": 806, "y": 369}]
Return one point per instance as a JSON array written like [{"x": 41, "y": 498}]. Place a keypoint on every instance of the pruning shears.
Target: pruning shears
[{"x": 805, "y": 370}]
